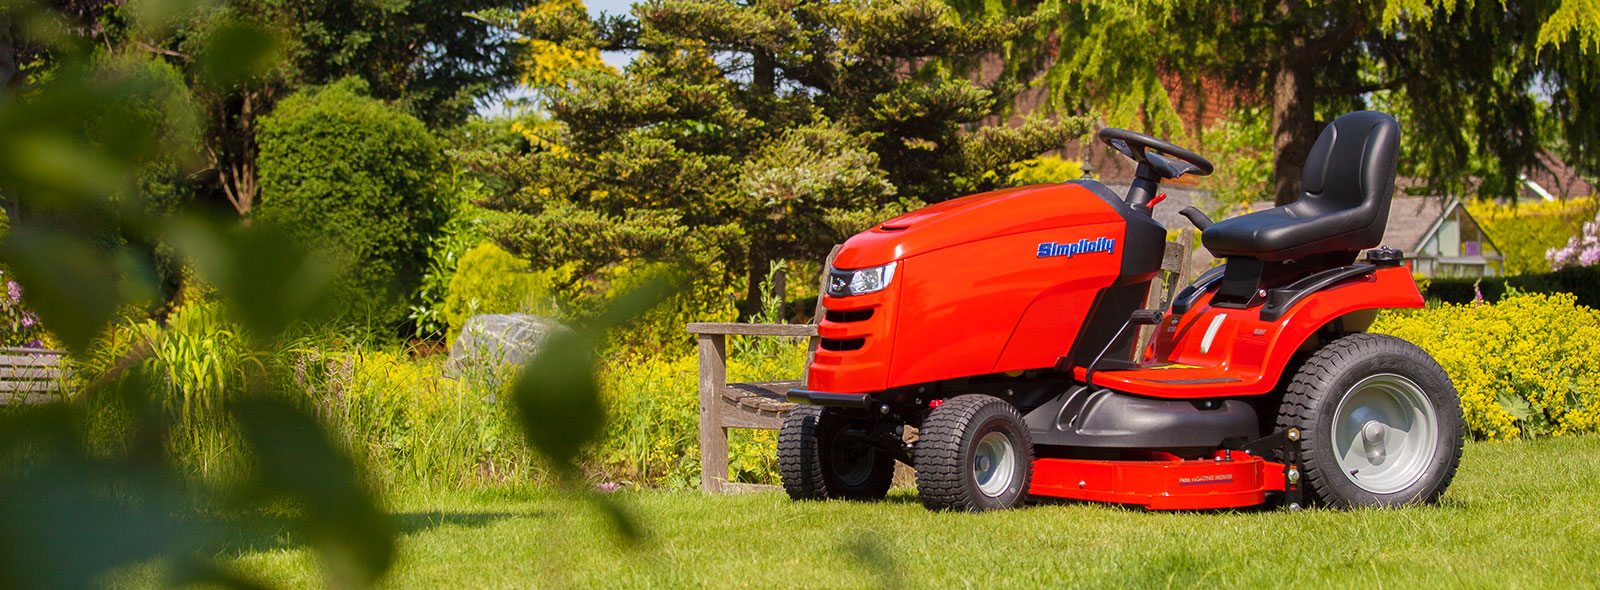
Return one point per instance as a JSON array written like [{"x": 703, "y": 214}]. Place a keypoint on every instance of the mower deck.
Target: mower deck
[{"x": 1230, "y": 480}]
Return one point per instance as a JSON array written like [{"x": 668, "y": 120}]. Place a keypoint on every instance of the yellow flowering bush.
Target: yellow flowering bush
[
  {"x": 653, "y": 432},
  {"x": 1525, "y": 366}
]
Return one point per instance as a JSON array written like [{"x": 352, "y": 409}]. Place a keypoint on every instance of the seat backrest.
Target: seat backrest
[{"x": 1351, "y": 168}]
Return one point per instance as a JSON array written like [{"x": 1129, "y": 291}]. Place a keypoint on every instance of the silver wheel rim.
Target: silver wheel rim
[
  {"x": 994, "y": 464},
  {"x": 1385, "y": 433}
]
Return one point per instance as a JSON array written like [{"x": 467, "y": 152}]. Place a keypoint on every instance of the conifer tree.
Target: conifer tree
[{"x": 745, "y": 132}]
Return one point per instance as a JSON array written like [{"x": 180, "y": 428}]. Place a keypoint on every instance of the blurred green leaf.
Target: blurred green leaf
[
  {"x": 267, "y": 278},
  {"x": 55, "y": 162},
  {"x": 296, "y": 459},
  {"x": 558, "y": 399},
  {"x": 155, "y": 17},
  {"x": 633, "y": 303},
  {"x": 70, "y": 518},
  {"x": 71, "y": 282},
  {"x": 237, "y": 52},
  {"x": 557, "y": 396}
]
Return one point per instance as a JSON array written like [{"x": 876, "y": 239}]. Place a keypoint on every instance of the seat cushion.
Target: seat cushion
[{"x": 1288, "y": 232}]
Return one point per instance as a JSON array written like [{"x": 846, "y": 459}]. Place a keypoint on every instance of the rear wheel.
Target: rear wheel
[
  {"x": 1380, "y": 421},
  {"x": 973, "y": 453},
  {"x": 818, "y": 459}
]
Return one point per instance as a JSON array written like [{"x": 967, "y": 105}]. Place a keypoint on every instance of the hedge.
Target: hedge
[{"x": 1582, "y": 282}]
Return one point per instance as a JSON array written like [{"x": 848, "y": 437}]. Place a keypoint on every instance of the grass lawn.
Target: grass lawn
[{"x": 1520, "y": 515}]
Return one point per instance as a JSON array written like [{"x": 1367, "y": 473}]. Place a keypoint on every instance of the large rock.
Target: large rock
[{"x": 492, "y": 342}]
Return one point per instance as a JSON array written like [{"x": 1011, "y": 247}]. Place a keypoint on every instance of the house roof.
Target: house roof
[{"x": 1412, "y": 220}]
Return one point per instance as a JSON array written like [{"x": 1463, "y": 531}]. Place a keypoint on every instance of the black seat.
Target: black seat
[{"x": 1344, "y": 206}]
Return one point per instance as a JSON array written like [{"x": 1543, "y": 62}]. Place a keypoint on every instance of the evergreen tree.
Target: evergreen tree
[{"x": 751, "y": 131}]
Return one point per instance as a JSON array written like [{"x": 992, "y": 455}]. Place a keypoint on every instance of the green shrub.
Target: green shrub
[
  {"x": 361, "y": 178},
  {"x": 410, "y": 424},
  {"x": 455, "y": 239},
  {"x": 1049, "y": 169},
  {"x": 1526, "y": 366},
  {"x": 491, "y": 280}
]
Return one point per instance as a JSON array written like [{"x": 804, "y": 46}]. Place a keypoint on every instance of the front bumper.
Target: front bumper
[{"x": 860, "y": 401}]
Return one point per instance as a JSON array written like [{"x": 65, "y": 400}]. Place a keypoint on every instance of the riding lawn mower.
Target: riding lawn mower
[{"x": 1002, "y": 327}]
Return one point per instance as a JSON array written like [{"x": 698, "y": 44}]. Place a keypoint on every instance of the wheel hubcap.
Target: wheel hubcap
[
  {"x": 852, "y": 462},
  {"x": 1385, "y": 433},
  {"x": 994, "y": 464}
]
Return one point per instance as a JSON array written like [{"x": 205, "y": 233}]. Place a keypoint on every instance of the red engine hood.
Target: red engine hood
[{"x": 977, "y": 217}]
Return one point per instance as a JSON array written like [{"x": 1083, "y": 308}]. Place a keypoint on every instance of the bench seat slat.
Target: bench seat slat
[{"x": 28, "y": 398}]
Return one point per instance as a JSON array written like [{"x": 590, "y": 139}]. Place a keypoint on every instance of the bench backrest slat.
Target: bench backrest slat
[
  {"x": 27, "y": 387},
  {"x": 27, "y": 372},
  {"x": 18, "y": 360}
]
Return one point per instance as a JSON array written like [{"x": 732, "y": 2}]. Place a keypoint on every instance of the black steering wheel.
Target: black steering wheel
[{"x": 1144, "y": 149}]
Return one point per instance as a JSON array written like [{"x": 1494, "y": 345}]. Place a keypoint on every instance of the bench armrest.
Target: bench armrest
[{"x": 798, "y": 330}]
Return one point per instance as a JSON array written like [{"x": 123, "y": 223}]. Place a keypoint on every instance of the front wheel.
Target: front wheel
[
  {"x": 818, "y": 459},
  {"x": 1380, "y": 421},
  {"x": 973, "y": 453}
]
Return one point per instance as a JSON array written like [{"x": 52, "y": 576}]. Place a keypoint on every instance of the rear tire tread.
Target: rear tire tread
[{"x": 1313, "y": 384}]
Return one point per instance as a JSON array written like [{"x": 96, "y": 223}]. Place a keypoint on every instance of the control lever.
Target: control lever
[
  {"x": 1141, "y": 317},
  {"x": 1198, "y": 218}
]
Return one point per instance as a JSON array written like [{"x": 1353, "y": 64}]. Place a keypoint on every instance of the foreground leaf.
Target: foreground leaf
[{"x": 297, "y": 460}]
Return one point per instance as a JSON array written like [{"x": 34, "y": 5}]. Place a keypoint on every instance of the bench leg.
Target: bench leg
[{"x": 713, "y": 437}]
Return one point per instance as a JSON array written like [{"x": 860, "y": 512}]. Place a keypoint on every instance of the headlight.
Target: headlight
[{"x": 844, "y": 283}]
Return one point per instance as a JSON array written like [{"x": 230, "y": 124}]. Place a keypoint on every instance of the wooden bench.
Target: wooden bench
[
  {"x": 726, "y": 405},
  {"x": 31, "y": 375},
  {"x": 762, "y": 405}
]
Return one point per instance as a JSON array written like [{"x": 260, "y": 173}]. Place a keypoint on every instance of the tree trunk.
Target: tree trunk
[
  {"x": 8, "y": 56},
  {"x": 765, "y": 74},
  {"x": 234, "y": 152},
  {"x": 757, "y": 264},
  {"x": 1294, "y": 127},
  {"x": 1294, "y": 109}
]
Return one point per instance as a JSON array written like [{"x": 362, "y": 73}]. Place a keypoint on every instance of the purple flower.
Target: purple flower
[
  {"x": 29, "y": 320},
  {"x": 14, "y": 291},
  {"x": 1589, "y": 256},
  {"x": 608, "y": 487},
  {"x": 35, "y": 343}
]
